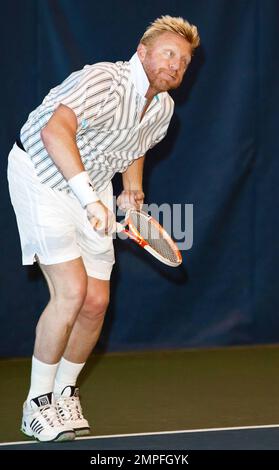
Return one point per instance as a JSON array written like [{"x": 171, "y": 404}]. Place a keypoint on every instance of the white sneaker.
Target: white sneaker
[
  {"x": 69, "y": 407},
  {"x": 42, "y": 421}
]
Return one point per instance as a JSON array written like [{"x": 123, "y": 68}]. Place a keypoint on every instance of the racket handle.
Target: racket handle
[{"x": 119, "y": 227}]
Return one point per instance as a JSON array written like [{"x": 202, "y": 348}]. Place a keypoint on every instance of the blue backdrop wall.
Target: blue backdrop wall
[{"x": 221, "y": 155}]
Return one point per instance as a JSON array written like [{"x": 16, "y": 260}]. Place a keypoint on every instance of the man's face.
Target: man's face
[{"x": 165, "y": 60}]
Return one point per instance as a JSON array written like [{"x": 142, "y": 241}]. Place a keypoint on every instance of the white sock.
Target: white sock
[
  {"x": 42, "y": 378},
  {"x": 67, "y": 374}
]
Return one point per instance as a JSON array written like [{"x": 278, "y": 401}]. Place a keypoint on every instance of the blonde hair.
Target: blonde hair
[{"x": 174, "y": 25}]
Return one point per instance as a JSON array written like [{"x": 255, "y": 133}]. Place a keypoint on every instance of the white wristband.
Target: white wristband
[{"x": 82, "y": 188}]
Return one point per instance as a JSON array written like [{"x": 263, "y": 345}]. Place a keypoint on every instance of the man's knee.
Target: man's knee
[
  {"x": 95, "y": 304},
  {"x": 71, "y": 296},
  {"x": 67, "y": 284}
]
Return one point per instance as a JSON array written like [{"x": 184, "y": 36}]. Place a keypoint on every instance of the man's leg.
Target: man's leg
[
  {"x": 89, "y": 322},
  {"x": 68, "y": 286},
  {"x": 83, "y": 338}
]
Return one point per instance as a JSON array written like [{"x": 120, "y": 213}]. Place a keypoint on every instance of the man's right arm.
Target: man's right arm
[{"x": 59, "y": 138}]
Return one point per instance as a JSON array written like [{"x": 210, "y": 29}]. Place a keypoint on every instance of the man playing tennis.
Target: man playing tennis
[{"x": 99, "y": 121}]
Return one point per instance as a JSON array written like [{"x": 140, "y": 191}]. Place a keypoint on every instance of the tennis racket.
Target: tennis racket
[{"x": 150, "y": 235}]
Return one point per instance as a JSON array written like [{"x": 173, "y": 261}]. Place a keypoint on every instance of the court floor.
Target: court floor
[
  {"x": 249, "y": 438},
  {"x": 183, "y": 400}
]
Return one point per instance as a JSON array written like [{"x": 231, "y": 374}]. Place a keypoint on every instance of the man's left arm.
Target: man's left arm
[{"x": 132, "y": 195}]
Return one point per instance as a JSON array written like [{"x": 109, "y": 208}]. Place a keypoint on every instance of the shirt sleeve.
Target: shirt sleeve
[
  {"x": 90, "y": 95},
  {"x": 164, "y": 121}
]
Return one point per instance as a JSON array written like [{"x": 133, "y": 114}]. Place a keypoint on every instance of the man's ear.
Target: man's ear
[{"x": 141, "y": 50}]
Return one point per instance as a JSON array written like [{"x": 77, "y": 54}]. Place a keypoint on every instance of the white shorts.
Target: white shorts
[{"x": 52, "y": 224}]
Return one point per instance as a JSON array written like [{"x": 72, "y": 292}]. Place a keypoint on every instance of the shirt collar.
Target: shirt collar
[{"x": 139, "y": 77}]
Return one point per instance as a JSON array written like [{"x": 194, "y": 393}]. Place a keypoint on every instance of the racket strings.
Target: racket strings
[{"x": 154, "y": 236}]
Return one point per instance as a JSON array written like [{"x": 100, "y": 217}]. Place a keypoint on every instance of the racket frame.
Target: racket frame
[{"x": 134, "y": 235}]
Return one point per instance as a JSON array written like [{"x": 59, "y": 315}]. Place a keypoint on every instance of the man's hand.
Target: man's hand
[
  {"x": 101, "y": 218},
  {"x": 130, "y": 199}
]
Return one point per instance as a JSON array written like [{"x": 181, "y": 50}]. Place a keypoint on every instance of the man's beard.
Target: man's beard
[{"x": 162, "y": 84}]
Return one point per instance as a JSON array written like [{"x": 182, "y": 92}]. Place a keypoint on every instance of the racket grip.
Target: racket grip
[{"x": 118, "y": 227}]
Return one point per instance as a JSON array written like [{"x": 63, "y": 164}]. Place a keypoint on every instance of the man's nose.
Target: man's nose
[{"x": 174, "y": 65}]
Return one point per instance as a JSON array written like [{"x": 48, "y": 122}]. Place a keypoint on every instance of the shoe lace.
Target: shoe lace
[
  {"x": 70, "y": 408},
  {"x": 51, "y": 415}
]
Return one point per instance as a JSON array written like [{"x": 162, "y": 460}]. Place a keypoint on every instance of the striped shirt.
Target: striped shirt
[{"x": 108, "y": 100}]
